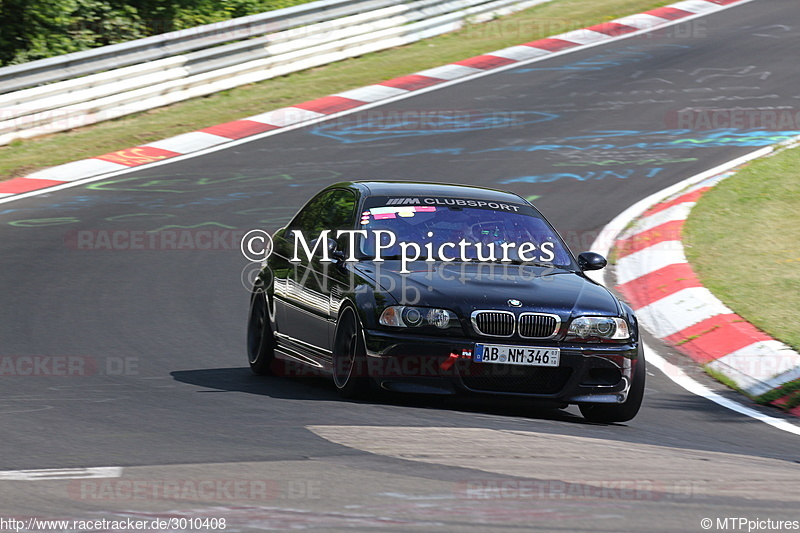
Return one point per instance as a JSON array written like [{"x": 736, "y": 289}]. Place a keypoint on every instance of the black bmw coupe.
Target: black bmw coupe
[{"x": 443, "y": 289}]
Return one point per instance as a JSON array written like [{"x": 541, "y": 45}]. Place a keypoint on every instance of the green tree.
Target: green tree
[{"x": 35, "y": 29}]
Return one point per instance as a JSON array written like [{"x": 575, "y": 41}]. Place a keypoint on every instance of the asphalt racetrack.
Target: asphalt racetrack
[{"x": 136, "y": 358}]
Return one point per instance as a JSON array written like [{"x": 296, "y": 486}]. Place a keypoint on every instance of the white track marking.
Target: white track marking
[
  {"x": 680, "y": 310},
  {"x": 520, "y": 53},
  {"x": 76, "y": 170},
  {"x": 643, "y": 21},
  {"x": 652, "y": 258},
  {"x": 188, "y": 142},
  {"x": 584, "y": 36},
  {"x": 692, "y": 6},
  {"x": 676, "y": 212},
  {"x": 372, "y": 93},
  {"x": 760, "y": 367},
  {"x": 681, "y": 378},
  {"x": 285, "y": 117},
  {"x": 450, "y": 72}
]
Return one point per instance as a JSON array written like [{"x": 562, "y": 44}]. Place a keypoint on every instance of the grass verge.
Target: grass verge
[
  {"x": 788, "y": 393},
  {"x": 25, "y": 156},
  {"x": 725, "y": 380},
  {"x": 743, "y": 241}
]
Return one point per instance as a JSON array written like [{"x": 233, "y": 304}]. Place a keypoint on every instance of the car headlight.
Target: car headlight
[
  {"x": 598, "y": 328},
  {"x": 403, "y": 316}
]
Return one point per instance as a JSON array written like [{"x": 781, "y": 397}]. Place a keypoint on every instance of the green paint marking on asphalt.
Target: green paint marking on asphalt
[
  {"x": 39, "y": 222},
  {"x": 191, "y": 227},
  {"x": 148, "y": 216}
]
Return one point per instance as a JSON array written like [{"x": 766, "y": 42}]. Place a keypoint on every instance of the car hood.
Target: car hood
[{"x": 465, "y": 287}]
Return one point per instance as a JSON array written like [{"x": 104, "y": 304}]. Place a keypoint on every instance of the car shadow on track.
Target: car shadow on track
[{"x": 241, "y": 379}]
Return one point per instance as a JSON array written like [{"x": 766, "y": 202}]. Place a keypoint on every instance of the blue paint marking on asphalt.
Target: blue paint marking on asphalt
[
  {"x": 615, "y": 58},
  {"x": 586, "y": 176},
  {"x": 378, "y": 125},
  {"x": 452, "y": 151},
  {"x": 710, "y": 139}
]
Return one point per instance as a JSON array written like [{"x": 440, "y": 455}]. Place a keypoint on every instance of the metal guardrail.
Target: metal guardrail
[
  {"x": 82, "y": 88},
  {"x": 68, "y": 66}
]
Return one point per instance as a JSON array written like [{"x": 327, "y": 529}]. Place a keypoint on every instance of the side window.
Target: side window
[
  {"x": 339, "y": 211},
  {"x": 311, "y": 220},
  {"x": 331, "y": 210}
]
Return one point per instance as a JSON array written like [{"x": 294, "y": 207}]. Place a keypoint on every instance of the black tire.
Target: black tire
[
  {"x": 349, "y": 357},
  {"x": 260, "y": 341},
  {"x": 619, "y": 412}
]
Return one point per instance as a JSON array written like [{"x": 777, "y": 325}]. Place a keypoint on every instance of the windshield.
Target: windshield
[{"x": 514, "y": 233}]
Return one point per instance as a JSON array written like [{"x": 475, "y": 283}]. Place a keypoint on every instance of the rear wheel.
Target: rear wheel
[
  {"x": 260, "y": 341},
  {"x": 349, "y": 356},
  {"x": 619, "y": 412}
]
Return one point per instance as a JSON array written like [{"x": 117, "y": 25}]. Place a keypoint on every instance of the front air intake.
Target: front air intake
[
  {"x": 538, "y": 325},
  {"x": 494, "y": 323}
]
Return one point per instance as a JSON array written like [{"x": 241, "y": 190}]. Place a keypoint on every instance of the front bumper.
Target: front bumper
[{"x": 588, "y": 373}]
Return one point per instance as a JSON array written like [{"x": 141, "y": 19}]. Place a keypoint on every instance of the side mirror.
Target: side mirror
[
  {"x": 334, "y": 253},
  {"x": 331, "y": 250},
  {"x": 591, "y": 261}
]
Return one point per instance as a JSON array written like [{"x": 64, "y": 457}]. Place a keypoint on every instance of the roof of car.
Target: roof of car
[{"x": 407, "y": 188}]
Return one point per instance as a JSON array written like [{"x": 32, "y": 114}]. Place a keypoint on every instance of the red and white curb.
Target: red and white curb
[
  {"x": 352, "y": 100},
  {"x": 670, "y": 302}
]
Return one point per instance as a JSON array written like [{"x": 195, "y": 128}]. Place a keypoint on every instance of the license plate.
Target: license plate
[{"x": 516, "y": 355}]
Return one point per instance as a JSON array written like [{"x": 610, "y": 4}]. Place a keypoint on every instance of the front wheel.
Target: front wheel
[
  {"x": 260, "y": 341},
  {"x": 349, "y": 356},
  {"x": 620, "y": 412}
]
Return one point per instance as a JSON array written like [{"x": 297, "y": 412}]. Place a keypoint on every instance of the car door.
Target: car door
[{"x": 311, "y": 282}]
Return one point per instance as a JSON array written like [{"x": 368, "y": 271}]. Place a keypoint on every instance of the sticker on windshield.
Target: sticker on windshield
[
  {"x": 453, "y": 202},
  {"x": 388, "y": 212}
]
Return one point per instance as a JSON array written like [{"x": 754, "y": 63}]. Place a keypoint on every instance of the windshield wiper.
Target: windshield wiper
[
  {"x": 539, "y": 264},
  {"x": 399, "y": 257}
]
